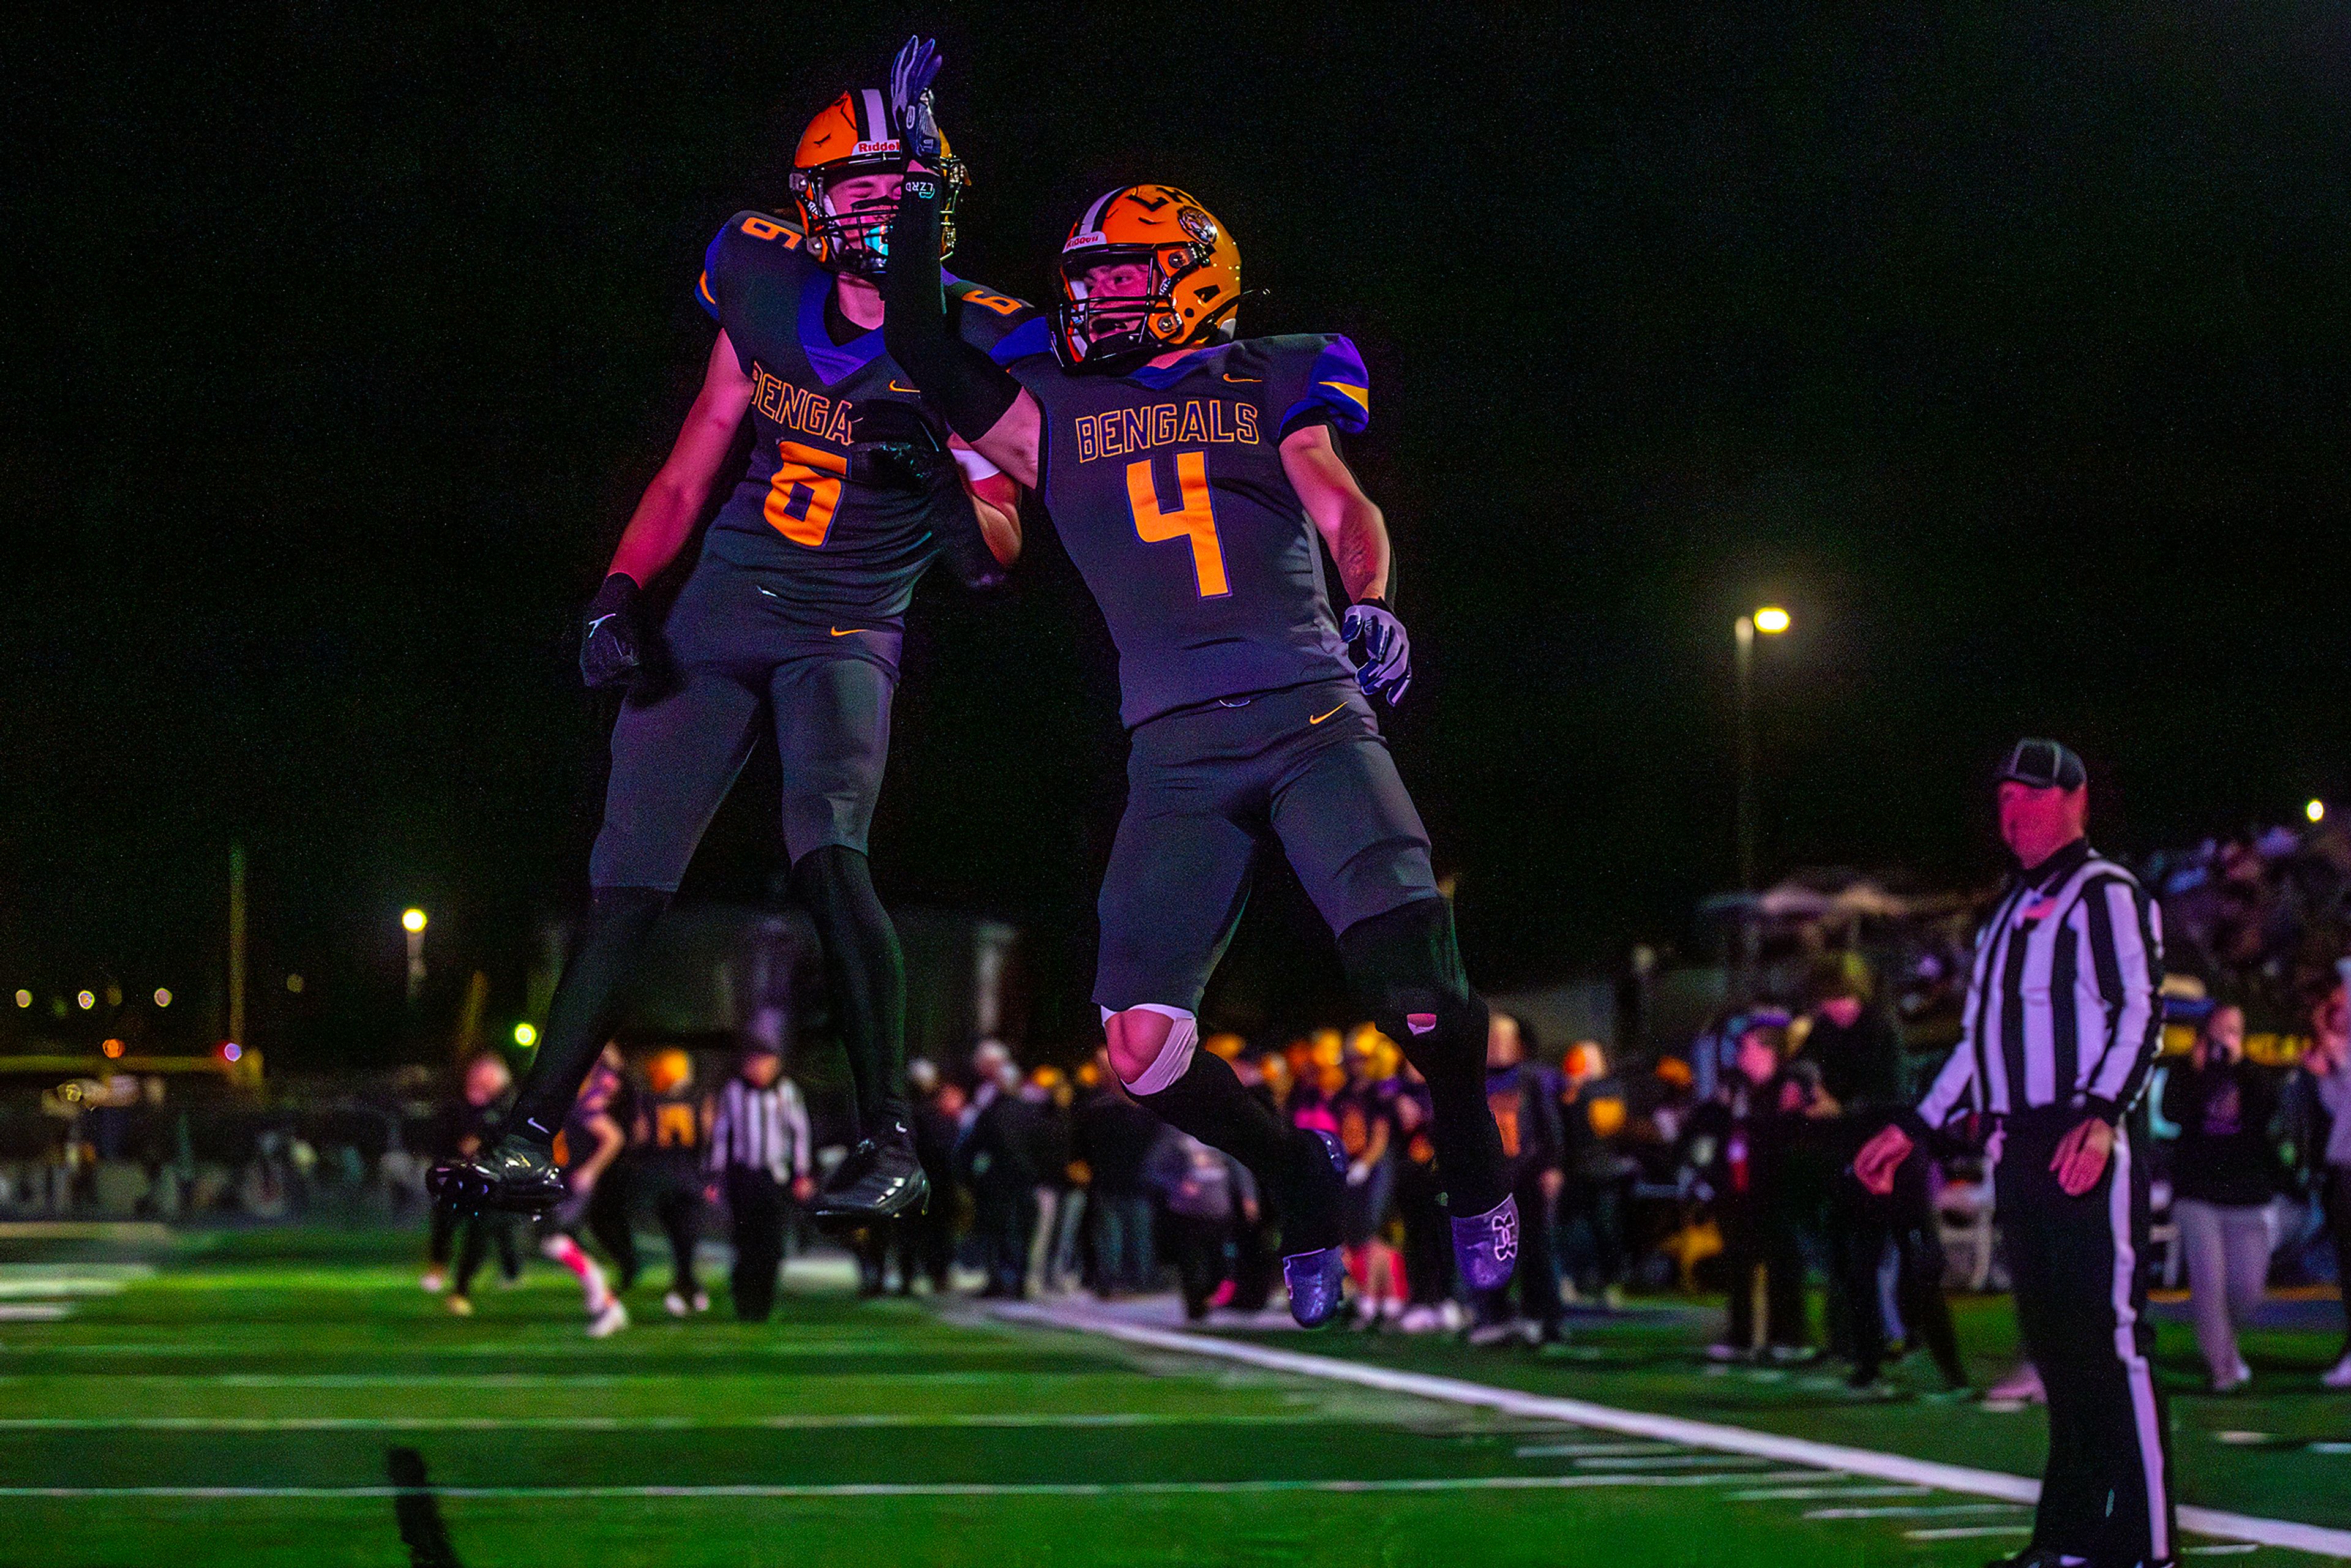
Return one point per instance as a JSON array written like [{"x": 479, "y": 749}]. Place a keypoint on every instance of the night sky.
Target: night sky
[{"x": 2008, "y": 350}]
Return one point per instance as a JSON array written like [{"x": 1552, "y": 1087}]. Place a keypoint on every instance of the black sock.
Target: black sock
[
  {"x": 867, "y": 973},
  {"x": 1293, "y": 1165},
  {"x": 1405, "y": 969},
  {"x": 580, "y": 1019}
]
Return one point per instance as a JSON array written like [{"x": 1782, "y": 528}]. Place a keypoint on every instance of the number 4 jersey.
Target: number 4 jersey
[
  {"x": 1167, "y": 489},
  {"x": 830, "y": 549}
]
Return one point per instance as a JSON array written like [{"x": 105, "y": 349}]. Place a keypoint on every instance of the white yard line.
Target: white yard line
[
  {"x": 639, "y": 1423},
  {"x": 882, "y": 1489},
  {"x": 34, "y": 1312},
  {"x": 2312, "y": 1538}
]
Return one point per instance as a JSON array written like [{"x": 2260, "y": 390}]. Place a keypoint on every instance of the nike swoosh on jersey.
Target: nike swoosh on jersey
[
  {"x": 852, "y": 631},
  {"x": 1240, "y": 378},
  {"x": 1319, "y": 717},
  {"x": 896, "y": 387}
]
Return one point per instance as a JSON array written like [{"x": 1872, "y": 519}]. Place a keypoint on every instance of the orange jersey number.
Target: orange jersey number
[
  {"x": 1194, "y": 520},
  {"x": 804, "y": 493}
]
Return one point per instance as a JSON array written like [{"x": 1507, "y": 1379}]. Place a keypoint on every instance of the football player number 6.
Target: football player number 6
[{"x": 1194, "y": 520}]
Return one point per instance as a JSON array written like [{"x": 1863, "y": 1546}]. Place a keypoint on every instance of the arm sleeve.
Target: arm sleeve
[
  {"x": 2127, "y": 946},
  {"x": 967, "y": 387}
]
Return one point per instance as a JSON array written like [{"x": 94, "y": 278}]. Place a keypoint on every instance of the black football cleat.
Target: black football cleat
[
  {"x": 513, "y": 1176},
  {"x": 880, "y": 1179}
]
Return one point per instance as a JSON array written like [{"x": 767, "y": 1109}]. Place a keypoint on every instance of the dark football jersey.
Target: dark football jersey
[
  {"x": 1168, "y": 490},
  {"x": 839, "y": 551}
]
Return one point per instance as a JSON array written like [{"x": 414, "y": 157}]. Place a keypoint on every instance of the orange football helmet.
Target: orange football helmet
[
  {"x": 1193, "y": 279},
  {"x": 853, "y": 136}
]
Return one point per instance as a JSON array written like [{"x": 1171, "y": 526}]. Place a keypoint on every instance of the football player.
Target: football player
[
  {"x": 793, "y": 615},
  {"x": 1188, "y": 473}
]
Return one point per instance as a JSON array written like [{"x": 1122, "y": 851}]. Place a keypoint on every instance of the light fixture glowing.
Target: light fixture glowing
[
  {"x": 162, "y": 996},
  {"x": 88, "y": 999},
  {"x": 294, "y": 984},
  {"x": 2315, "y": 811},
  {"x": 526, "y": 1035},
  {"x": 23, "y": 998},
  {"x": 112, "y": 1048},
  {"x": 1770, "y": 620},
  {"x": 411, "y": 920},
  {"x": 231, "y": 1050}
]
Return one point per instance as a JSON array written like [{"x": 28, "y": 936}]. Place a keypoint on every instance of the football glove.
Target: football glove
[
  {"x": 1386, "y": 669},
  {"x": 900, "y": 465},
  {"x": 611, "y": 643},
  {"x": 911, "y": 75}
]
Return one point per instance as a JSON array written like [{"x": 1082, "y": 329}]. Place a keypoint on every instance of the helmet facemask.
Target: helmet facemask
[
  {"x": 858, "y": 240},
  {"x": 1103, "y": 331}
]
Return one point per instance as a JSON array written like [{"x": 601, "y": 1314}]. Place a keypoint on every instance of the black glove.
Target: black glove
[
  {"x": 900, "y": 465},
  {"x": 611, "y": 643}
]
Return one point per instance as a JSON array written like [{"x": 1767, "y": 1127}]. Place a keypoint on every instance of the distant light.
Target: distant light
[
  {"x": 411, "y": 920},
  {"x": 2315, "y": 811},
  {"x": 113, "y": 1048},
  {"x": 231, "y": 1050},
  {"x": 526, "y": 1035},
  {"x": 88, "y": 999},
  {"x": 1772, "y": 619},
  {"x": 294, "y": 984},
  {"x": 162, "y": 996},
  {"x": 23, "y": 998}
]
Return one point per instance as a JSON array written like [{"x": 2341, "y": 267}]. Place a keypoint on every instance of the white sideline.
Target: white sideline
[{"x": 2312, "y": 1538}]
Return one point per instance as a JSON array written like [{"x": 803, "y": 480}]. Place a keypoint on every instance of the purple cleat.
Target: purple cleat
[
  {"x": 1317, "y": 1279},
  {"x": 1486, "y": 1246}
]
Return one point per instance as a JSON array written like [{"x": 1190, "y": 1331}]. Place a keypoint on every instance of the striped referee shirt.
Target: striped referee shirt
[
  {"x": 760, "y": 1129},
  {"x": 2062, "y": 1008}
]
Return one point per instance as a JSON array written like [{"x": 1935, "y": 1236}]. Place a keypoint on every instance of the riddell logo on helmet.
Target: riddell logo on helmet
[
  {"x": 862, "y": 148},
  {"x": 1086, "y": 241}
]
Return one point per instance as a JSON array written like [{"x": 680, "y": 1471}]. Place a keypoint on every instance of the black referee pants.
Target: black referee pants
[
  {"x": 755, "y": 1200},
  {"x": 2081, "y": 1308}
]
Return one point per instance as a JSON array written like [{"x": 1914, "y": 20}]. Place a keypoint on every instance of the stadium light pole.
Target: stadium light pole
[
  {"x": 411, "y": 920},
  {"x": 1770, "y": 621}
]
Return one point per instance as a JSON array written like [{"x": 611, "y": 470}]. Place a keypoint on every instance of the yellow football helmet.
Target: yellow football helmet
[
  {"x": 1192, "y": 279},
  {"x": 853, "y": 136}
]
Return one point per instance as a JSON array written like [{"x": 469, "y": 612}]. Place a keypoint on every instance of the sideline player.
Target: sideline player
[
  {"x": 795, "y": 612},
  {"x": 588, "y": 1143},
  {"x": 1182, "y": 469}
]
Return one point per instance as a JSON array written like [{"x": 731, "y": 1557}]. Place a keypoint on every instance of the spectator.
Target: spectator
[
  {"x": 1420, "y": 1205},
  {"x": 472, "y": 1122},
  {"x": 760, "y": 1158},
  {"x": 674, "y": 1132},
  {"x": 1000, "y": 1158},
  {"x": 1204, "y": 1191},
  {"x": 1115, "y": 1134},
  {"x": 1528, "y": 1118},
  {"x": 1598, "y": 1186},
  {"x": 2225, "y": 1175},
  {"x": 926, "y": 1239},
  {"x": 1857, "y": 1049},
  {"x": 1359, "y": 1108},
  {"x": 1061, "y": 1201},
  {"x": 2318, "y": 1114},
  {"x": 1740, "y": 1141}
]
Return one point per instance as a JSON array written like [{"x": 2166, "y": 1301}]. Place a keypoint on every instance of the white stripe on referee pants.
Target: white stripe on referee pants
[{"x": 2136, "y": 1370}]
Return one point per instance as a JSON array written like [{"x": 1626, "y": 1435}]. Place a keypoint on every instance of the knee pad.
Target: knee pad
[
  {"x": 1174, "y": 1053},
  {"x": 1403, "y": 966}
]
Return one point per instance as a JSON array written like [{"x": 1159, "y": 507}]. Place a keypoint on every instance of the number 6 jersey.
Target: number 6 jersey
[
  {"x": 1167, "y": 489},
  {"x": 833, "y": 548}
]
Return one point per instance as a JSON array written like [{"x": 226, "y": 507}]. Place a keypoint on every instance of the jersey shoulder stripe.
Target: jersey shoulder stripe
[{"x": 1311, "y": 377}]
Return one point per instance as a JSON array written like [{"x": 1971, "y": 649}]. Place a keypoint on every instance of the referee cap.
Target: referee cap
[{"x": 2043, "y": 765}]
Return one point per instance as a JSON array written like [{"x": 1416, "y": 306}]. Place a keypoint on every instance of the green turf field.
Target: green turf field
[{"x": 294, "y": 1399}]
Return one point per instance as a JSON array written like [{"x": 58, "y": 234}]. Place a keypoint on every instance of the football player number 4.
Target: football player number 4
[{"x": 1193, "y": 520}]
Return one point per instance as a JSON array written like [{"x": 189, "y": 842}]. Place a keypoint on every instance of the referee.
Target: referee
[
  {"x": 759, "y": 1157},
  {"x": 2061, "y": 1023}
]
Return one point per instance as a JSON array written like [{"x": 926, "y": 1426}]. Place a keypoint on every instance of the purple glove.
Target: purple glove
[
  {"x": 1386, "y": 669},
  {"x": 911, "y": 75}
]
